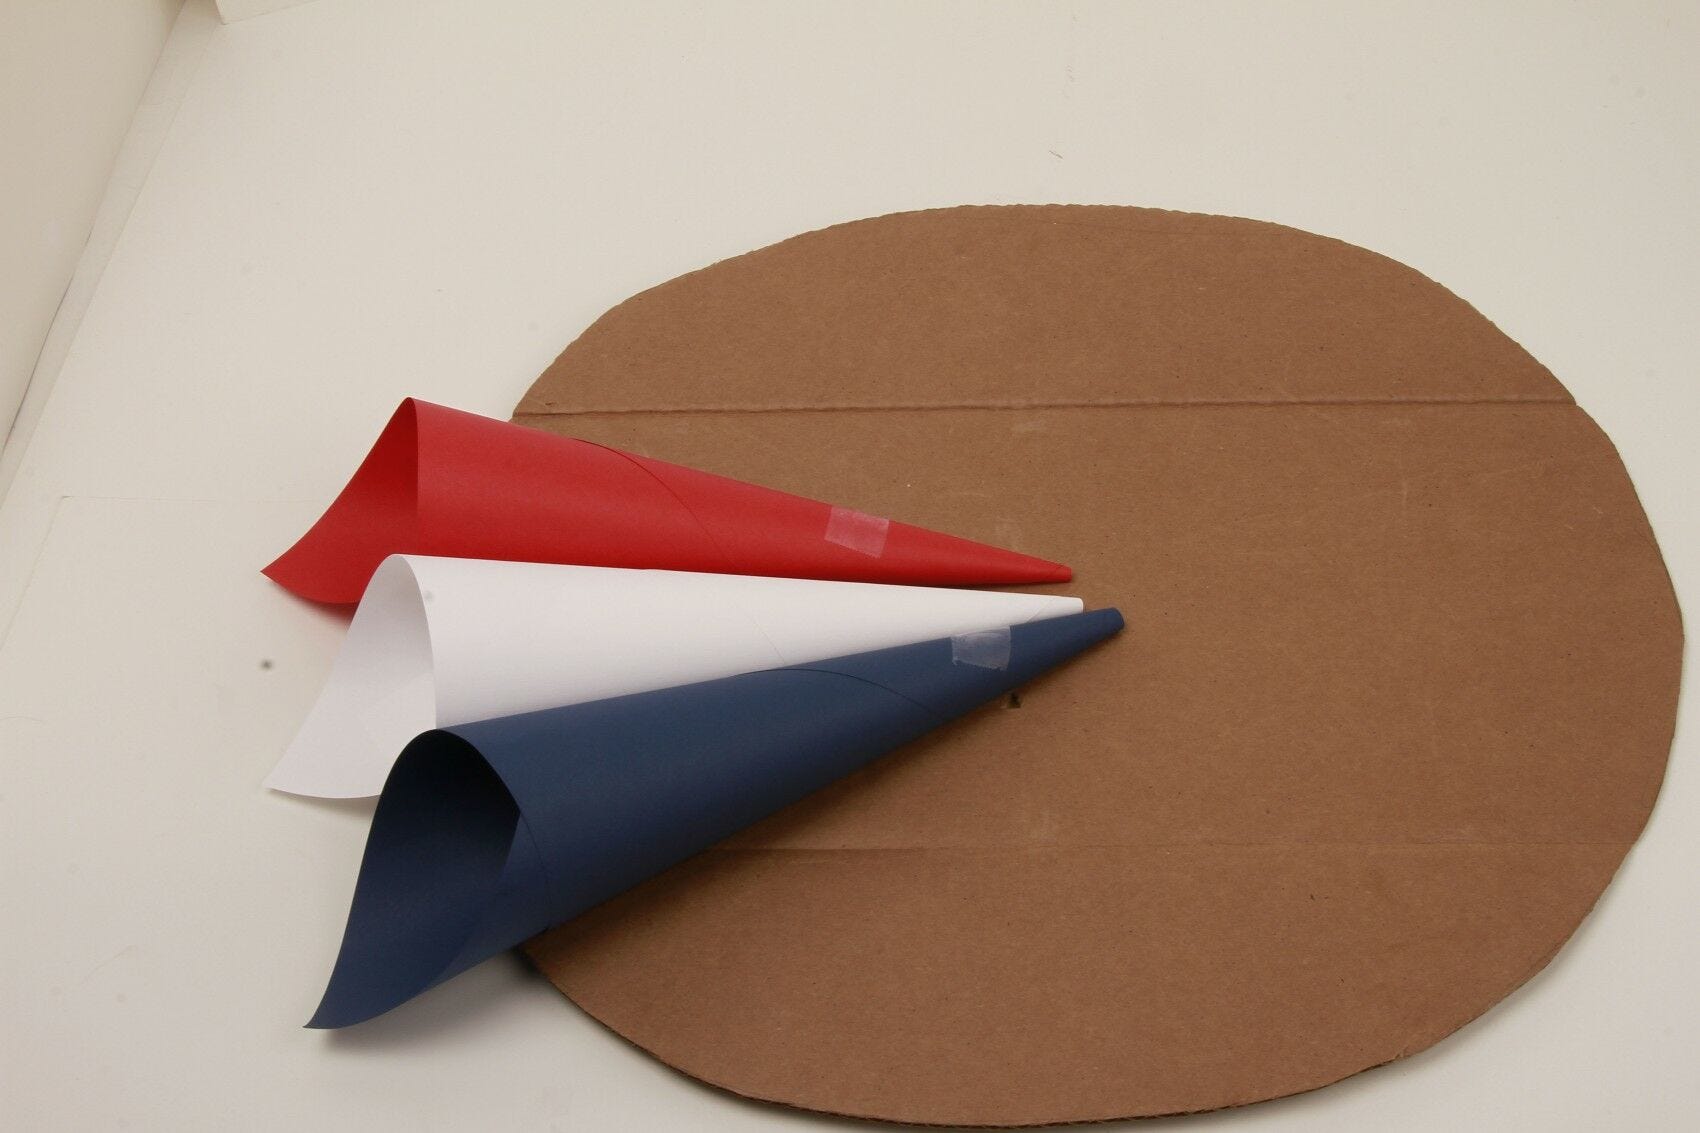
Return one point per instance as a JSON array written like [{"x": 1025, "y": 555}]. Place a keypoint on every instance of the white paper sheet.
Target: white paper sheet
[{"x": 440, "y": 641}]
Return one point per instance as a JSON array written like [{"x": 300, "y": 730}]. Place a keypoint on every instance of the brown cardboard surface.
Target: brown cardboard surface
[{"x": 1395, "y": 697}]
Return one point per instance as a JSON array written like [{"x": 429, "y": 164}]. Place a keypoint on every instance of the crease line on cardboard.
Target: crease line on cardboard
[
  {"x": 1082, "y": 403},
  {"x": 1098, "y": 847}
]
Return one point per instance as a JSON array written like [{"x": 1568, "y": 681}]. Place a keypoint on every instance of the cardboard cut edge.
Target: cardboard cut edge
[
  {"x": 1617, "y": 850},
  {"x": 531, "y": 405}
]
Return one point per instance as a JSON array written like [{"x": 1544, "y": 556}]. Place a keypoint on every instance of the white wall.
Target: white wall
[{"x": 71, "y": 75}]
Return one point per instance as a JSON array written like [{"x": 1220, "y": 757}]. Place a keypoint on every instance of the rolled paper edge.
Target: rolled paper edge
[
  {"x": 375, "y": 515},
  {"x": 347, "y": 742},
  {"x": 434, "y": 859}
]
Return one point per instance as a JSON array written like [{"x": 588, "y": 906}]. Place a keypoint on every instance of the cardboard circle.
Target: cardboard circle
[{"x": 1395, "y": 697}]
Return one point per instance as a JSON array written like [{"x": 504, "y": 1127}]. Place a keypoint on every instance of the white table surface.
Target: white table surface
[{"x": 356, "y": 201}]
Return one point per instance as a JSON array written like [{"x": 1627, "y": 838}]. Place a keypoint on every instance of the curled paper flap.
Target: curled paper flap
[
  {"x": 488, "y": 833},
  {"x": 442, "y": 482},
  {"x": 444, "y": 641}
]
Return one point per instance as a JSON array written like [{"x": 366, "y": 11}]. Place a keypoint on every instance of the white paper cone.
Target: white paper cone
[{"x": 438, "y": 641}]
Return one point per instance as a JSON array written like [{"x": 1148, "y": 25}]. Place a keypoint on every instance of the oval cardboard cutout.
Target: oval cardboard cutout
[{"x": 1395, "y": 697}]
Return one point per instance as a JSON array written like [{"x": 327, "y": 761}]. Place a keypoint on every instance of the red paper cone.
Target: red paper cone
[{"x": 443, "y": 482}]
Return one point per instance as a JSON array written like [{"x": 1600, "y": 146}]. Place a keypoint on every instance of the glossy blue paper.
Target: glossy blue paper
[{"x": 488, "y": 833}]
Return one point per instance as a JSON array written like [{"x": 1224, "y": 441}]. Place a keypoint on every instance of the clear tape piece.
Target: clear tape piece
[
  {"x": 985, "y": 649},
  {"x": 860, "y": 532}
]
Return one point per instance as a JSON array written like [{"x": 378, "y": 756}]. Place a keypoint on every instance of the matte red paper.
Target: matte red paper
[{"x": 443, "y": 482}]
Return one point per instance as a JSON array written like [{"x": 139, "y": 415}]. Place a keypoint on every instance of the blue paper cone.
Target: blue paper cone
[{"x": 488, "y": 833}]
